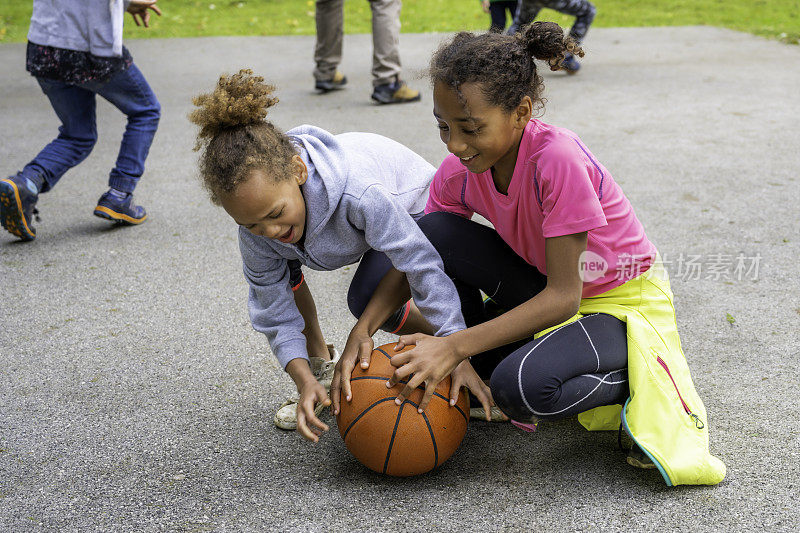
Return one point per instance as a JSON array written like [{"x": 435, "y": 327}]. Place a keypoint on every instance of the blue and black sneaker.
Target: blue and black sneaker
[
  {"x": 119, "y": 208},
  {"x": 18, "y": 198},
  {"x": 570, "y": 64}
]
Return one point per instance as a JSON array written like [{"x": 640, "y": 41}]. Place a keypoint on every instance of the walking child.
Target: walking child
[
  {"x": 589, "y": 325},
  {"x": 307, "y": 197},
  {"x": 75, "y": 52}
]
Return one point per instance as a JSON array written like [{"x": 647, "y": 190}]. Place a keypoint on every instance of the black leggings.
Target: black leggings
[
  {"x": 574, "y": 368},
  {"x": 497, "y": 11}
]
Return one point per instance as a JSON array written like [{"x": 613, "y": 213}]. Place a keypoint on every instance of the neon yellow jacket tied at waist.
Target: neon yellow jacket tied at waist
[{"x": 664, "y": 414}]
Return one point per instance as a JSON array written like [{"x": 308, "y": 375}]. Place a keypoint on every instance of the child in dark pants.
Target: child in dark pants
[
  {"x": 497, "y": 10},
  {"x": 75, "y": 52}
]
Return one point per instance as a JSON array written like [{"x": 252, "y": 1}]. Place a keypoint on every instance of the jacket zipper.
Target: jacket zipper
[{"x": 697, "y": 422}]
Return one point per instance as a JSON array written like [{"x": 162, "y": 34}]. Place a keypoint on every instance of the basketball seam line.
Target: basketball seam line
[
  {"x": 433, "y": 437},
  {"x": 384, "y": 353},
  {"x": 433, "y": 440},
  {"x": 394, "y": 433},
  {"x": 456, "y": 406},
  {"x": 365, "y": 411}
]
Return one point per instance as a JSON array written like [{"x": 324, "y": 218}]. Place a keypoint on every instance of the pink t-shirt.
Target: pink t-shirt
[{"x": 558, "y": 188}]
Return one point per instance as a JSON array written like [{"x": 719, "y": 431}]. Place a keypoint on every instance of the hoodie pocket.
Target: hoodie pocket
[{"x": 699, "y": 424}]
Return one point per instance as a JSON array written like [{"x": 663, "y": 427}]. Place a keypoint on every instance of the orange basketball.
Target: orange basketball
[{"x": 396, "y": 439}]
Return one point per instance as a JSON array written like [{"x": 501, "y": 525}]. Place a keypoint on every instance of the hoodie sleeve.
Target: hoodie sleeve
[
  {"x": 270, "y": 300},
  {"x": 389, "y": 229}
]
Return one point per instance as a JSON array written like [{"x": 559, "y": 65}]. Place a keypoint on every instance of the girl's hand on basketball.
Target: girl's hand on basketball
[
  {"x": 430, "y": 362},
  {"x": 359, "y": 347},
  {"x": 465, "y": 376},
  {"x": 308, "y": 425}
]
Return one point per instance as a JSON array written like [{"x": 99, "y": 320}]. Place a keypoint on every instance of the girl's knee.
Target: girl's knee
[
  {"x": 439, "y": 227},
  {"x": 356, "y": 300},
  {"x": 523, "y": 401}
]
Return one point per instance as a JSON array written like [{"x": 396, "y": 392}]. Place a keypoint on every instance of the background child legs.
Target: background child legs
[
  {"x": 497, "y": 11},
  {"x": 75, "y": 108},
  {"x": 129, "y": 92}
]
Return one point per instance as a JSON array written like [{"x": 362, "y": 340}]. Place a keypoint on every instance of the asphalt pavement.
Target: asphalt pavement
[{"x": 134, "y": 395}]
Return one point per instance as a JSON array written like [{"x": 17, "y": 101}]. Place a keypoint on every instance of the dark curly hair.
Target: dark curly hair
[
  {"x": 235, "y": 137},
  {"x": 503, "y": 65}
]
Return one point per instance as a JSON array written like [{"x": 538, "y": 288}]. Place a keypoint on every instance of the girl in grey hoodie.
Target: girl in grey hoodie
[{"x": 311, "y": 198}]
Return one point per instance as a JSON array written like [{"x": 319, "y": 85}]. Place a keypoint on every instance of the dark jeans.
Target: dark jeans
[
  {"x": 572, "y": 369},
  {"x": 497, "y": 10},
  {"x": 75, "y": 106}
]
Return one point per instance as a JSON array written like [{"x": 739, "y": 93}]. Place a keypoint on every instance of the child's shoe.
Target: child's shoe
[
  {"x": 338, "y": 81},
  {"x": 495, "y": 414},
  {"x": 119, "y": 208},
  {"x": 286, "y": 416},
  {"x": 570, "y": 64},
  {"x": 18, "y": 198},
  {"x": 396, "y": 92},
  {"x": 639, "y": 459}
]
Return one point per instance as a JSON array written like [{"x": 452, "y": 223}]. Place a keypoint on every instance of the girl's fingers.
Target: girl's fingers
[
  {"x": 412, "y": 384},
  {"x": 406, "y": 340},
  {"x": 365, "y": 350},
  {"x": 430, "y": 388},
  {"x": 455, "y": 388},
  {"x": 348, "y": 392},
  {"x": 336, "y": 390},
  {"x": 398, "y": 375},
  {"x": 302, "y": 428},
  {"x": 401, "y": 358}
]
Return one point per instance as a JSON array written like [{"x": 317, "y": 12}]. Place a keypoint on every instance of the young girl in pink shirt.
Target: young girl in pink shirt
[{"x": 589, "y": 323}]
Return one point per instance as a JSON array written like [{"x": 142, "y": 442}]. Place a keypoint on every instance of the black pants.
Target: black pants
[
  {"x": 497, "y": 10},
  {"x": 577, "y": 367}
]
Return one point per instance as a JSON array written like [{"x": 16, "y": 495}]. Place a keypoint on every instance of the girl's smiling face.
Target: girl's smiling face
[
  {"x": 483, "y": 136},
  {"x": 270, "y": 208}
]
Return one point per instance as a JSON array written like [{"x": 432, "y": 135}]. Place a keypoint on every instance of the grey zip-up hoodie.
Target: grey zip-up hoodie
[
  {"x": 93, "y": 26},
  {"x": 360, "y": 192}
]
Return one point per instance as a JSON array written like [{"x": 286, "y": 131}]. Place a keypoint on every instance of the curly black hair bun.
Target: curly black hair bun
[{"x": 546, "y": 41}]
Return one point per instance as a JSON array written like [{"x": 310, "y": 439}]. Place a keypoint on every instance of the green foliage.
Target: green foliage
[{"x": 779, "y": 19}]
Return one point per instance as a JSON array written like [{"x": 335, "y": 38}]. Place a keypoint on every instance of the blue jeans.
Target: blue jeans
[{"x": 75, "y": 106}]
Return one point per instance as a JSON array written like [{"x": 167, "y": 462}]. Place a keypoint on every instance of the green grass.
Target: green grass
[{"x": 778, "y": 19}]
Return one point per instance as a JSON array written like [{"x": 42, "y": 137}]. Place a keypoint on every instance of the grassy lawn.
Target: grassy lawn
[{"x": 778, "y": 19}]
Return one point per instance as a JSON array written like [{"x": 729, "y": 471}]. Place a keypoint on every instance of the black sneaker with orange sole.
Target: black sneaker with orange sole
[{"x": 18, "y": 198}]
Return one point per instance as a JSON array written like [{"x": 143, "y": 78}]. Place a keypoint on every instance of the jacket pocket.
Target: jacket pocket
[{"x": 699, "y": 424}]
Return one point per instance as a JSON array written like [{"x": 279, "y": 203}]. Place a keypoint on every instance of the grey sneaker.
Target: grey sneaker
[
  {"x": 477, "y": 413},
  {"x": 286, "y": 416}
]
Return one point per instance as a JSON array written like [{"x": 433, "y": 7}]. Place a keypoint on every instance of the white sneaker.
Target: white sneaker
[{"x": 286, "y": 416}]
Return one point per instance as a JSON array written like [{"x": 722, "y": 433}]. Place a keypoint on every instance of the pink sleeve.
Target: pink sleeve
[
  {"x": 448, "y": 188},
  {"x": 570, "y": 183}
]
